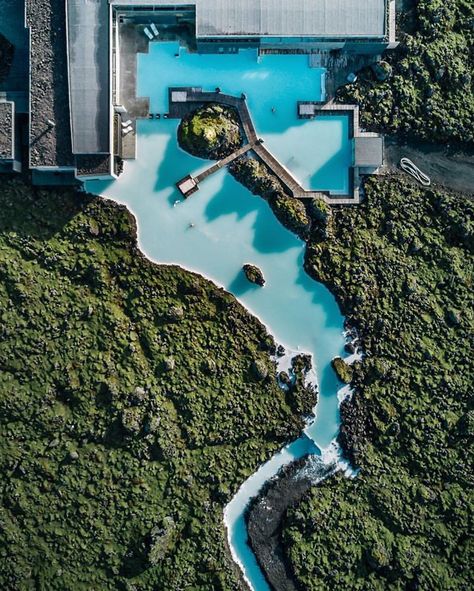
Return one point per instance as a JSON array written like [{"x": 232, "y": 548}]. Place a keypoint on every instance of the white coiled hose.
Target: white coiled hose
[{"x": 407, "y": 165}]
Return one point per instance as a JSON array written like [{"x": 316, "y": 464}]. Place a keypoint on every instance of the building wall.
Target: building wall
[{"x": 285, "y": 45}]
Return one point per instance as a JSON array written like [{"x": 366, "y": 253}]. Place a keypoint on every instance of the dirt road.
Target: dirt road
[{"x": 445, "y": 166}]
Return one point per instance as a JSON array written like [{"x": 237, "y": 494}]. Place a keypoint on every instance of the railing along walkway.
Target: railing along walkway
[
  {"x": 224, "y": 162},
  {"x": 275, "y": 166}
]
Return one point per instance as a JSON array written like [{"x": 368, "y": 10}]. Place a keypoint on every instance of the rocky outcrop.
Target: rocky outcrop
[
  {"x": 292, "y": 214},
  {"x": 266, "y": 514},
  {"x": 254, "y": 274},
  {"x": 343, "y": 370},
  {"x": 211, "y": 132},
  {"x": 7, "y": 51},
  {"x": 258, "y": 179}
]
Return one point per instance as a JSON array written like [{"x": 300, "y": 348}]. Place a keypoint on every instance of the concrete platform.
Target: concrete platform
[{"x": 131, "y": 42}]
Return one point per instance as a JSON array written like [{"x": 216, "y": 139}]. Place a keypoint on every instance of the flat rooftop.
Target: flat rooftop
[
  {"x": 281, "y": 18},
  {"x": 368, "y": 151},
  {"x": 88, "y": 68},
  {"x": 7, "y": 123},
  {"x": 50, "y": 136}
]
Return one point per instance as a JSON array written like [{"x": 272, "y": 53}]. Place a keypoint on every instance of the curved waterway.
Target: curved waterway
[{"x": 223, "y": 227}]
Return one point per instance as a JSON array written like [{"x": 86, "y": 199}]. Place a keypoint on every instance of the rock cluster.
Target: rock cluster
[
  {"x": 342, "y": 369},
  {"x": 254, "y": 175},
  {"x": 211, "y": 132},
  {"x": 254, "y": 274},
  {"x": 425, "y": 88}
]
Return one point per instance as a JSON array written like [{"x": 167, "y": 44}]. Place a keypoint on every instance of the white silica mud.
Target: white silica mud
[{"x": 222, "y": 227}]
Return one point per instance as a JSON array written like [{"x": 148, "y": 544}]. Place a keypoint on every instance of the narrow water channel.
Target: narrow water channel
[{"x": 223, "y": 226}]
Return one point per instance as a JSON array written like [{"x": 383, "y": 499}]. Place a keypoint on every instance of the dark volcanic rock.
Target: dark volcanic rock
[
  {"x": 343, "y": 370},
  {"x": 259, "y": 370},
  {"x": 7, "y": 51},
  {"x": 266, "y": 513},
  {"x": 254, "y": 275},
  {"x": 355, "y": 430}
]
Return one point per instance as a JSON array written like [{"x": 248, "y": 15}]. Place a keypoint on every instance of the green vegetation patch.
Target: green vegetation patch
[
  {"x": 134, "y": 401},
  {"x": 291, "y": 213},
  {"x": 257, "y": 178},
  {"x": 211, "y": 132},
  {"x": 342, "y": 369},
  {"x": 402, "y": 268},
  {"x": 426, "y": 86}
]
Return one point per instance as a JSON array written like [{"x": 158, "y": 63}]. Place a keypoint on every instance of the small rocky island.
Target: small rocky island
[
  {"x": 343, "y": 370},
  {"x": 254, "y": 274},
  {"x": 211, "y": 132},
  {"x": 214, "y": 132}
]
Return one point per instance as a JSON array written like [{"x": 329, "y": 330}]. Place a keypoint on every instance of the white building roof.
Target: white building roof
[
  {"x": 88, "y": 68},
  {"x": 282, "y": 18}
]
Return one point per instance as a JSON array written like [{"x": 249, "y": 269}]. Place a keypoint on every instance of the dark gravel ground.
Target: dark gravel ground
[
  {"x": 93, "y": 164},
  {"x": 50, "y": 145},
  {"x": 448, "y": 167},
  {"x": 6, "y": 124}
]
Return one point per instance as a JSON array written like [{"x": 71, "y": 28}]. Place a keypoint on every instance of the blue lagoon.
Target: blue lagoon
[{"x": 223, "y": 226}]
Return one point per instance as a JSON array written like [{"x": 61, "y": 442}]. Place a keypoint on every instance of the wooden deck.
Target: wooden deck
[
  {"x": 197, "y": 97},
  {"x": 224, "y": 162}
]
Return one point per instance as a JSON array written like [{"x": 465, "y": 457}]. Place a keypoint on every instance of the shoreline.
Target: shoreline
[
  {"x": 129, "y": 240},
  {"x": 333, "y": 453},
  {"x": 284, "y": 363}
]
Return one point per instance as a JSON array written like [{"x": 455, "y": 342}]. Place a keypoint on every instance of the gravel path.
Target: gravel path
[{"x": 445, "y": 167}]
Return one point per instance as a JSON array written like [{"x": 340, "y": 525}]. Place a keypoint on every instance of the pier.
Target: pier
[
  {"x": 190, "y": 184},
  {"x": 182, "y": 101}
]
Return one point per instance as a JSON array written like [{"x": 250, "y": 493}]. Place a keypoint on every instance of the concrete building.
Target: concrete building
[
  {"x": 218, "y": 26},
  {"x": 74, "y": 92},
  {"x": 359, "y": 26}
]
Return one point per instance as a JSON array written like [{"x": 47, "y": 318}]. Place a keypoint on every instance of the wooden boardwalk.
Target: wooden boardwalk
[
  {"x": 224, "y": 162},
  {"x": 294, "y": 188}
]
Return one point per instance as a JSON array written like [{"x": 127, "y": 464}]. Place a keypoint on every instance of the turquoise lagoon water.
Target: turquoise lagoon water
[
  {"x": 231, "y": 227},
  {"x": 317, "y": 152}
]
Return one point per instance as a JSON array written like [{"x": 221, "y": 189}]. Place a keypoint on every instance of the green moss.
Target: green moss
[
  {"x": 291, "y": 213},
  {"x": 427, "y": 89},
  {"x": 343, "y": 370},
  {"x": 128, "y": 419},
  {"x": 319, "y": 210},
  {"x": 210, "y": 132},
  {"x": 256, "y": 177},
  {"x": 400, "y": 265}
]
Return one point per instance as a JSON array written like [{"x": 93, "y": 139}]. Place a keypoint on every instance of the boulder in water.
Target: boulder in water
[
  {"x": 343, "y": 370},
  {"x": 254, "y": 274}
]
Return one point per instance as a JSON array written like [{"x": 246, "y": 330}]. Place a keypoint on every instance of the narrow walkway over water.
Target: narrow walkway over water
[
  {"x": 224, "y": 162},
  {"x": 184, "y": 100}
]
